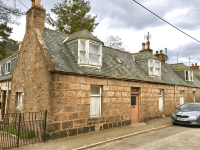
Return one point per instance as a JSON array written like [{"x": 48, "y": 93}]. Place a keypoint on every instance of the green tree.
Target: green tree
[
  {"x": 5, "y": 32},
  {"x": 72, "y": 16}
]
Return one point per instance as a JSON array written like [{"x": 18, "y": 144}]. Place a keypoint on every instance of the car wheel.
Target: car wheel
[{"x": 174, "y": 123}]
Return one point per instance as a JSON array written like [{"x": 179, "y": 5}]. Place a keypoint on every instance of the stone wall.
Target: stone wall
[
  {"x": 69, "y": 112},
  {"x": 30, "y": 76}
]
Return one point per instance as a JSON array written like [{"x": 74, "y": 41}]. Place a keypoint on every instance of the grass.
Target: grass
[{"x": 22, "y": 134}]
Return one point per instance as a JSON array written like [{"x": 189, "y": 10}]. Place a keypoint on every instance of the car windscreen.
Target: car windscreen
[{"x": 191, "y": 107}]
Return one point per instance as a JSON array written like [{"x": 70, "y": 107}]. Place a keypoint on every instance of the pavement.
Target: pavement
[{"x": 93, "y": 139}]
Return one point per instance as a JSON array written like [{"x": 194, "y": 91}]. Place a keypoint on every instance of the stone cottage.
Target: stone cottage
[{"x": 86, "y": 86}]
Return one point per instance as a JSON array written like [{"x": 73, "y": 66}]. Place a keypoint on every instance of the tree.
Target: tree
[
  {"x": 114, "y": 42},
  {"x": 7, "y": 13},
  {"x": 72, "y": 17},
  {"x": 5, "y": 32}
]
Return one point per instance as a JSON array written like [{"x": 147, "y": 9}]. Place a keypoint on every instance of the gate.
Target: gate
[{"x": 17, "y": 129}]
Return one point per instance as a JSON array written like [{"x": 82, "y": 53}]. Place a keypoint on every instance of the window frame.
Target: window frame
[
  {"x": 194, "y": 96},
  {"x": 87, "y": 53},
  {"x": 6, "y": 67},
  {"x": 189, "y": 75},
  {"x": 153, "y": 67},
  {"x": 100, "y": 100},
  {"x": 19, "y": 97}
]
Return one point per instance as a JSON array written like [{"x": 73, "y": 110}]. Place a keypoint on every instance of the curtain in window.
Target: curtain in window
[
  {"x": 94, "y": 53},
  {"x": 191, "y": 75},
  {"x": 151, "y": 63},
  {"x": 95, "y": 105},
  {"x": 160, "y": 99},
  {"x": 151, "y": 71},
  {"x": 181, "y": 97},
  {"x": 157, "y": 72},
  {"x": 19, "y": 100}
]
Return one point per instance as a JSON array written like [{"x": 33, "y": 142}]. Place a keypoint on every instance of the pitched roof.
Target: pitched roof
[
  {"x": 66, "y": 60},
  {"x": 180, "y": 66},
  {"x": 84, "y": 34},
  {"x": 144, "y": 56}
]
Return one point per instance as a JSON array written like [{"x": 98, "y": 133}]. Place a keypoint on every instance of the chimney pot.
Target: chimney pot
[
  {"x": 33, "y": 2},
  {"x": 156, "y": 52},
  {"x": 37, "y": 3},
  {"x": 143, "y": 46},
  {"x": 161, "y": 51},
  {"x": 195, "y": 64},
  {"x": 192, "y": 64}
]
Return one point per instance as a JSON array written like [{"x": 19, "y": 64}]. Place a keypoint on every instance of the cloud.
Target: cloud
[{"x": 130, "y": 15}]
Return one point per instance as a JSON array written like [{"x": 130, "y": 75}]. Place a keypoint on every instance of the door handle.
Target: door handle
[{"x": 133, "y": 107}]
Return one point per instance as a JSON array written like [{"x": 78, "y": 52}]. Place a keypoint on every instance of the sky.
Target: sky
[{"x": 132, "y": 22}]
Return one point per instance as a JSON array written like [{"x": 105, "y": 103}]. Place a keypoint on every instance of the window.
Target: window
[
  {"x": 193, "y": 95},
  {"x": 19, "y": 100},
  {"x": 160, "y": 99},
  {"x": 7, "y": 67},
  {"x": 181, "y": 97},
  {"x": 154, "y": 67},
  {"x": 90, "y": 53},
  {"x": 95, "y": 101},
  {"x": 1, "y": 69},
  {"x": 188, "y": 75}
]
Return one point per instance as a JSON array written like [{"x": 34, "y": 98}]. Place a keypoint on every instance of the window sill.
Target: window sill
[
  {"x": 7, "y": 73},
  {"x": 19, "y": 108},
  {"x": 89, "y": 65},
  {"x": 96, "y": 116}
]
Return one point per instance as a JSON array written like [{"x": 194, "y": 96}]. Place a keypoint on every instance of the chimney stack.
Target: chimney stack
[
  {"x": 35, "y": 17},
  {"x": 161, "y": 57},
  {"x": 143, "y": 46},
  {"x": 20, "y": 45},
  {"x": 148, "y": 45},
  {"x": 194, "y": 67}
]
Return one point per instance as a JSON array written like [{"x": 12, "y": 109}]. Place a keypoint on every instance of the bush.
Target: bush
[{"x": 22, "y": 134}]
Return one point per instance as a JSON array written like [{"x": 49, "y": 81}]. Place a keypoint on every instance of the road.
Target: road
[{"x": 171, "y": 138}]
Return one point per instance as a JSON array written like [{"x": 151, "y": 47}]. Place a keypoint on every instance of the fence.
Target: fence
[{"x": 19, "y": 129}]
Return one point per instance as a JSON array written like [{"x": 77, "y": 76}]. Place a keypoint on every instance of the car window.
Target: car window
[{"x": 191, "y": 107}]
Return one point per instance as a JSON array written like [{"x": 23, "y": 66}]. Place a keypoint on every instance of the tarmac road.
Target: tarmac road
[{"x": 171, "y": 138}]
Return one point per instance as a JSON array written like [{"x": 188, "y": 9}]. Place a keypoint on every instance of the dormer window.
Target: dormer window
[
  {"x": 89, "y": 53},
  {"x": 7, "y": 67},
  {"x": 154, "y": 68},
  {"x": 189, "y": 75}
]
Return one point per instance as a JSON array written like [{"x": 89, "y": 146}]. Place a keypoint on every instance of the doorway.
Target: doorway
[{"x": 134, "y": 108}]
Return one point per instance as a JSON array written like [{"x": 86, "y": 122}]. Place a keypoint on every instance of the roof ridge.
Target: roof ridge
[
  {"x": 57, "y": 31},
  {"x": 118, "y": 50},
  {"x": 77, "y": 32}
]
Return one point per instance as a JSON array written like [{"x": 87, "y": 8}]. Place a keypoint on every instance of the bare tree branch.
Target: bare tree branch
[{"x": 114, "y": 42}]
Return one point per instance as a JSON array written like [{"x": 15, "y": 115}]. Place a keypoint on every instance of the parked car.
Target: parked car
[{"x": 187, "y": 114}]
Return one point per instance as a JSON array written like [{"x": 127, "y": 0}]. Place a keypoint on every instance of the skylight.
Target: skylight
[{"x": 118, "y": 60}]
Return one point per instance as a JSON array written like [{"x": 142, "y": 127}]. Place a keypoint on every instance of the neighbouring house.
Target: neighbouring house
[{"x": 86, "y": 86}]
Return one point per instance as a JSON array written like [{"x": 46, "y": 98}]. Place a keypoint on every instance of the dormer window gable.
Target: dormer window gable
[
  {"x": 154, "y": 68},
  {"x": 188, "y": 75},
  {"x": 89, "y": 53}
]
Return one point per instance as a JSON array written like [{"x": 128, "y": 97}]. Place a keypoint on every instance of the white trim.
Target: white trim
[
  {"x": 1, "y": 70},
  {"x": 190, "y": 75},
  {"x": 6, "y": 67},
  {"x": 181, "y": 97},
  {"x": 153, "y": 67},
  {"x": 160, "y": 99}
]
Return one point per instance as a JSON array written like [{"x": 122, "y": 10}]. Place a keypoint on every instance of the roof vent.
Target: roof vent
[
  {"x": 118, "y": 60},
  {"x": 65, "y": 40}
]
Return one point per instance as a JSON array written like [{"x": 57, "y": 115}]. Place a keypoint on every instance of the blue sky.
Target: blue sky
[{"x": 131, "y": 22}]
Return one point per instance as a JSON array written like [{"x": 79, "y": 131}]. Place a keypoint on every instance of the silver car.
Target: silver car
[{"x": 187, "y": 114}]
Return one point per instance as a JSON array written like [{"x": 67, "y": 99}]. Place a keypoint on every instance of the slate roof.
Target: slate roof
[
  {"x": 180, "y": 66},
  {"x": 83, "y": 34},
  {"x": 144, "y": 56},
  {"x": 13, "y": 59},
  {"x": 12, "y": 47},
  {"x": 65, "y": 58}
]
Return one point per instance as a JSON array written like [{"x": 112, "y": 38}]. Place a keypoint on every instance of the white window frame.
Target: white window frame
[
  {"x": 1, "y": 70},
  {"x": 6, "y": 67},
  {"x": 100, "y": 101},
  {"x": 181, "y": 97},
  {"x": 87, "y": 46},
  {"x": 193, "y": 96},
  {"x": 19, "y": 99},
  {"x": 188, "y": 75},
  {"x": 160, "y": 99},
  {"x": 153, "y": 67}
]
